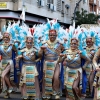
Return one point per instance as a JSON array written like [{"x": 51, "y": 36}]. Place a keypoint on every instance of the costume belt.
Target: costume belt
[
  {"x": 28, "y": 62},
  {"x": 75, "y": 67},
  {"x": 51, "y": 58}
]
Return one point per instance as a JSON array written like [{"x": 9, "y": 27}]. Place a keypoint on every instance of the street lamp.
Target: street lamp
[
  {"x": 77, "y": 4},
  {"x": 93, "y": 6}
]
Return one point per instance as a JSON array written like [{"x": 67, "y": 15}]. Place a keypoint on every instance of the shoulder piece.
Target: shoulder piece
[
  {"x": 23, "y": 50},
  {"x": 35, "y": 49},
  {"x": 44, "y": 42},
  {"x": 67, "y": 51},
  {"x": 90, "y": 49}
]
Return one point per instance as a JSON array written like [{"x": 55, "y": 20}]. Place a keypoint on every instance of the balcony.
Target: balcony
[{"x": 92, "y": 2}]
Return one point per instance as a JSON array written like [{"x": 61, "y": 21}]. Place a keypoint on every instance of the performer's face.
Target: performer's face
[
  {"x": 74, "y": 44},
  {"x": 29, "y": 43},
  {"x": 6, "y": 38},
  {"x": 89, "y": 42},
  {"x": 52, "y": 36}
]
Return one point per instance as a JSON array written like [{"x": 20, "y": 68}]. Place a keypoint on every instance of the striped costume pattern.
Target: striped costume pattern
[
  {"x": 71, "y": 78},
  {"x": 48, "y": 77},
  {"x": 30, "y": 79}
]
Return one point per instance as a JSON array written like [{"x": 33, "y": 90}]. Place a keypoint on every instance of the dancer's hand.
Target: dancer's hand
[
  {"x": 32, "y": 53},
  {"x": 97, "y": 69},
  {"x": 79, "y": 51},
  {"x": 92, "y": 70},
  {"x": 43, "y": 47},
  {"x": 64, "y": 63},
  {"x": 17, "y": 65},
  {"x": 19, "y": 57},
  {"x": 61, "y": 55}
]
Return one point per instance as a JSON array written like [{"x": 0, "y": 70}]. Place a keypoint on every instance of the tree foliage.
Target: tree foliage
[{"x": 85, "y": 18}]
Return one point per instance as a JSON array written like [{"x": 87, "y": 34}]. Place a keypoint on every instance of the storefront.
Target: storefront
[{"x": 30, "y": 19}]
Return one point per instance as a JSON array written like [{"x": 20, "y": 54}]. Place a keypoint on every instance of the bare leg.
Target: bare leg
[
  {"x": 24, "y": 92},
  {"x": 56, "y": 81},
  {"x": 37, "y": 87},
  {"x": 23, "y": 89},
  {"x": 18, "y": 80},
  {"x": 4, "y": 73},
  {"x": 7, "y": 81},
  {"x": 76, "y": 90},
  {"x": 10, "y": 83},
  {"x": 75, "y": 87},
  {"x": 91, "y": 78},
  {"x": 95, "y": 93}
]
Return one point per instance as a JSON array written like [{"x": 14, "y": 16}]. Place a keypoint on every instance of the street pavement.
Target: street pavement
[{"x": 17, "y": 96}]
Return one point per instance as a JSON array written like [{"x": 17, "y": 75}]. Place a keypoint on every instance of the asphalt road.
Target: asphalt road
[{"x": 17, "y": 96}]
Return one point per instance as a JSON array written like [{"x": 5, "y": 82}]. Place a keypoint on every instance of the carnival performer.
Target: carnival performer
[
  {"x": 29, "y": 75},
  {"x": 96, "y": 83},
  {"x": 72, "y": 61},
  {"x": 7, "y": 65},
  {"x": 51, "y": 49},
  {"x": 91, "y": 48},
  {"x": 51, "y": 34}
]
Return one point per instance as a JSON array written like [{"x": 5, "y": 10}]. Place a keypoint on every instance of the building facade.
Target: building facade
[
  {"x": 94, "y": 6},
  {"x": 37, "y": 11},
  {"x": 83, "y": 4}
]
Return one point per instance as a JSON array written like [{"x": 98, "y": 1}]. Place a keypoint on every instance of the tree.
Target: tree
[{"x": 84, "y": 18}]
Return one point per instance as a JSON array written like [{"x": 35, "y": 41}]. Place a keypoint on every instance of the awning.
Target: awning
[{"x": 16, "y": 15}]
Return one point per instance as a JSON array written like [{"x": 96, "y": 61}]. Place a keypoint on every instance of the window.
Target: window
[
  {"x": 50, "y": 1},
  {"x": 94, "y": 1},
  {"x": 99, "y": 3},
  {"x": 84, "y": 1},
  {"x": 59, "y": 5},
  {"x": 62, "y": 7},
  {"x": 67, "y": 8}
]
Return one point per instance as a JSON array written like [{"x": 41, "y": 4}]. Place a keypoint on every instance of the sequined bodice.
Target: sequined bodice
[
  {"x": 51, "y": 52},
  {"x": 90, "y": 52},
  {"x": 28, "y": 55},
  {"x": 6, "y": 51},
  {"x": 73, "y": 59}
]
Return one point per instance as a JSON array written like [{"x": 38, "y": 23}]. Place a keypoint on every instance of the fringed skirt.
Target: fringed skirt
[
  {"x": 28, "y": 77},
  {"x": 49, "y": 68}
]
